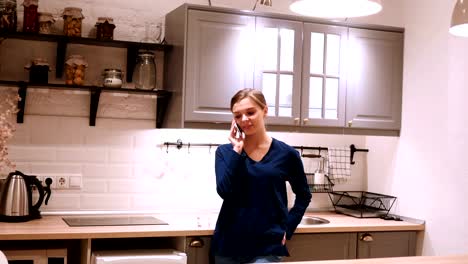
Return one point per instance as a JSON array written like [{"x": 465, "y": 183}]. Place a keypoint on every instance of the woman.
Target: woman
[{"x": 251, "y": 174}]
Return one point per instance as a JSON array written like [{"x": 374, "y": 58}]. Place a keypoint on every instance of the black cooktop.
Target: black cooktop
[{"x": 112, "y": 220}]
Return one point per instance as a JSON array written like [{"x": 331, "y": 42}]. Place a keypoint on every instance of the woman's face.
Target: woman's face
[{"x": 249, "y": 115}]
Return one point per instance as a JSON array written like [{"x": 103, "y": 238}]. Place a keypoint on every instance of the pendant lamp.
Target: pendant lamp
[
  {"x": 459, "y": 25},
  {"x": 336, "y": 8}
]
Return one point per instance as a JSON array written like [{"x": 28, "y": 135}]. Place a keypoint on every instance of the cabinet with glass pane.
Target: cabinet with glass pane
[
  {"x": 278, "y": 68},
  {"x": 374, "y": 84}
]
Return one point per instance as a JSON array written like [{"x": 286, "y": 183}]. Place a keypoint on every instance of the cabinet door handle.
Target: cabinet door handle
[
  {"x": 196, "y": 242},
  {"x": 367, "y": 238},
  {"x": 296, "y": 120},
  {"x": 305, "y": 120},
  {"x": 350, "y": 123}
]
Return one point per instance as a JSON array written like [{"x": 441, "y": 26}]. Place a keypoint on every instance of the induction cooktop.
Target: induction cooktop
[{"x": 112, "y": 220}]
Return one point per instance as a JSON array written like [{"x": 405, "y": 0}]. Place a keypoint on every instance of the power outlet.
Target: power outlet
[{"x": 62, "y": 182}]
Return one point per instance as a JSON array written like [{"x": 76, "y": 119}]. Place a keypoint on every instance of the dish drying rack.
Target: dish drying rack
[{"x": 362, "y": 204}]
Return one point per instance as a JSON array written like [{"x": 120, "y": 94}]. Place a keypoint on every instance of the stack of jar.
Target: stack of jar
[
  {"x": 75, "y": 67},
  {"x": 72, "y": 21}
]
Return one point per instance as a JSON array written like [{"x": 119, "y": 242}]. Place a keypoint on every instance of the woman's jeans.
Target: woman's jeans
[{"x": 240, "y": 260}]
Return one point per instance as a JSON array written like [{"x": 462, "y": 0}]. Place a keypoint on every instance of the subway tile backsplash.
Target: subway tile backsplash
[{"x": 124, "y": 165}]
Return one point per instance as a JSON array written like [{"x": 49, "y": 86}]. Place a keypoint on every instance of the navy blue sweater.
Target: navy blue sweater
[{"x": 254, "y": 215}]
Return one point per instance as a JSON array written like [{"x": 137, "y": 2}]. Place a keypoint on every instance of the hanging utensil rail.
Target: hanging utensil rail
[{"x": 179, "y": 144}]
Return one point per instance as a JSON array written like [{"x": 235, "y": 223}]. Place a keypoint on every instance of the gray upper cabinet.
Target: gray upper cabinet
[
  {"x": 323, "y": 75},
  {"x": 374, "y": 91},
  {"x": 278, "y": 68},
  {"x": 313, "y": 75},
  {"x": 219, "y": 62}
]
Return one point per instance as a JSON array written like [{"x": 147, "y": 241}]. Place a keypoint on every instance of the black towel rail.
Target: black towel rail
[{"x": 179, "y": 144}]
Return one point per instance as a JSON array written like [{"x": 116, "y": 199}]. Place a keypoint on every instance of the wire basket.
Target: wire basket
[
  {"x": 319, "y": 188},
  {"x": 361, "y": 204}
]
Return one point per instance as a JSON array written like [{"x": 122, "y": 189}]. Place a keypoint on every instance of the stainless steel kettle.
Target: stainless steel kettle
[{"x": 16, "y": 197}]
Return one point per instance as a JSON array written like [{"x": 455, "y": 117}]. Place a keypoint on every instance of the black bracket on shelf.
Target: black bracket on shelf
[
  {"x": 94, "y": 103},
  {"x": 132, "y": 52},
  {"x": 60, "y": 60},
  {"x": 162, "y": 102},
  {"x": 22, "y": 92}
]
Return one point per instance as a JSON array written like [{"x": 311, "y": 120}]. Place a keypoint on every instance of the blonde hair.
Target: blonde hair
[{"x": 256, "y": 95}]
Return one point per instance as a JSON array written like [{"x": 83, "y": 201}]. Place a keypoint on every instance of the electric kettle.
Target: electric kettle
[{"x": 16, "y": 203}]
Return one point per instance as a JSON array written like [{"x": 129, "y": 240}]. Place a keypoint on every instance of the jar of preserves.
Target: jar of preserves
[
  {"x": 72, "y": 21},
  {"x": 112, "y": 78},
  {"x": 105, "y": 28},
  {"x": 31, "y": 18},
  {"x": 38, "y": 71},
  {"x": 46, "y": 20},
  {"x": 144, "y": 74},
  {"x": 8, "y": 17},
  {"x": 75, "y": 68}
]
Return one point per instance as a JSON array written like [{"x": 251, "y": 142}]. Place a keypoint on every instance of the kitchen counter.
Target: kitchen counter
[
  {"x": 458, "y": 259},
  {"x": 53, "y": 227}
]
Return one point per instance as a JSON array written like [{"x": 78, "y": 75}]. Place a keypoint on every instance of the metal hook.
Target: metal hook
[
  {"x": 179, "y": 143},
  {"x": 188, "y": 148},
  {"x": 302, "y": 150},
  {"x": 167, "y": 147},
  {"x": 209, "y": 149}
]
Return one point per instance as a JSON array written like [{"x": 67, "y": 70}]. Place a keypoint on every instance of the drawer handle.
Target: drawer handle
[
  {"x": 196, "y": 242},
  {"x": 367, "y": 238}
]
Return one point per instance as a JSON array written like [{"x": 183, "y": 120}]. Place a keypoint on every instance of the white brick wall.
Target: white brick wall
[{"x": 122, "y": 164}]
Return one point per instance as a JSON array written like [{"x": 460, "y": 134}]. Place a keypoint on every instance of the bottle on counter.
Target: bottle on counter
[
  {"x": 46, "y": 20},
  {"x": 72, "y": 21},
  {"x": 105, "y": 28},
  {"x": 8, "y": 16},
  {"x": 31, "y": 16},
  {"x": 75, "y": 68}
]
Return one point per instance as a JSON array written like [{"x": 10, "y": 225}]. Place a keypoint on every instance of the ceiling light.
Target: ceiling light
[
  {"x": 336, "y": 8},
  {"x": 459, "y": 25}
]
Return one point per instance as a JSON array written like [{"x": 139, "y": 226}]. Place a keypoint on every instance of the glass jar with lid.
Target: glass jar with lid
[
  {"x": 144, "y": 74},
  {"x": 8, "y": 21},
  {"x": 112, "y": 78},
  {"x": 30, "y": 18},
  {"x": 46, "y": 20},
  {"x": 72, "y": 21},
  {"x": 75, "y": 67},
  {"x": 105, "y": 28}
]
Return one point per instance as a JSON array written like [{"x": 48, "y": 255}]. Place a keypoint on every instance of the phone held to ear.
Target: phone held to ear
[{"x": 239, "y": 131}]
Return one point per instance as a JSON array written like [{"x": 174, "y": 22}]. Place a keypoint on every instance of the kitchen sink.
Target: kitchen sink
[{"x": 312, "y": 220}]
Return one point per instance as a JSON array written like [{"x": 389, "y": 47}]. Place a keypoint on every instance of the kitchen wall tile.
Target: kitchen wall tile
[
  {"x": 60, "y": 201},
  {"x": 96, "y": 155},
  {"x": 103, "y": 139},
  {"x": 121, "y": 155},
  {"x": 45, "y": 168},
  {"x": 140, "y": 185},
  {"x": 35, "y": 154},
  {"x": 105, "y": 202},
  {"x": 94, "y": 186},
  {"x": 113, "y": 171}
]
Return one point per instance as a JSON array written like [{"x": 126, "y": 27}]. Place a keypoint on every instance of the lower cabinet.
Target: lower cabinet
[
  {"x": 386, "y": 244},
  {"x": 327, "y": 246},
  {"x": 198, "y": 250}
]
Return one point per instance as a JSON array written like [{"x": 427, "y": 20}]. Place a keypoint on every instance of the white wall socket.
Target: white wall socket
[{"x": 61, "y": 180}]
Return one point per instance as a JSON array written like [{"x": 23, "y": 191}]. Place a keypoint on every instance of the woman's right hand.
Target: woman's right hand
[{"x": 236, "y": 138}]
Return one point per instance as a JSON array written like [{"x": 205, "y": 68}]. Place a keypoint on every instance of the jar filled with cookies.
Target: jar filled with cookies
[
  {"x": 75, "y": 68},
  {"x": 72, "y": 21}
]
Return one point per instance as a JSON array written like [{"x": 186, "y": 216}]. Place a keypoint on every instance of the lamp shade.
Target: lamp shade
[
  {"x": 336, "y": 8},
  {"x": 459, "y": 25}
]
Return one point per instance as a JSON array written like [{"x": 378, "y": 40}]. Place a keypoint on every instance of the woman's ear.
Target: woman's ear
[{"x": 265, "y": 111}]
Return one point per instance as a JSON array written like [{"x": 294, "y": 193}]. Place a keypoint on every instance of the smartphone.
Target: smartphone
[{"x": 239, "y": 131}]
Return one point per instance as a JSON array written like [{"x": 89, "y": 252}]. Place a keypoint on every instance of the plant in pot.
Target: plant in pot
[{"x": 8, "y": 109}]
